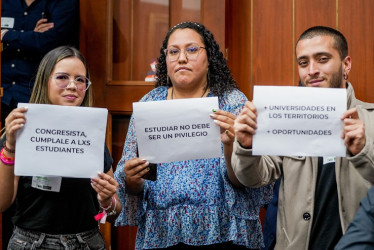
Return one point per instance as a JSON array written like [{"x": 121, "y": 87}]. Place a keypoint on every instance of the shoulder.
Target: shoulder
[
  {"x": 156, "y": 94},
  {"x": 235, "y": 94},
  {"x": 356, "y": 102},
  {"x": 233, "y": 99}
]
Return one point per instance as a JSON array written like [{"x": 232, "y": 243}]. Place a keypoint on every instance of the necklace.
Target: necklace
[{"x": 172, "y": 92}]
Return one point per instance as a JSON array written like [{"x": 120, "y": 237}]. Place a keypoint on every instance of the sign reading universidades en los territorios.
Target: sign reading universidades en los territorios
[{"x": 299, "y": 121}]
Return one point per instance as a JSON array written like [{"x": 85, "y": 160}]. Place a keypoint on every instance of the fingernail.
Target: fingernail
[
  {"x": 212, "y": 115},
  {"x": 216, "y": 122},
  {"x": 147, "y": 163},
  {"x": 22, "y": 124},
  {"x": 214, "y": 110}
]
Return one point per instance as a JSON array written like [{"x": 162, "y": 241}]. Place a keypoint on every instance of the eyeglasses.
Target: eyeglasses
[
  {"x": 63, "y": 80},
  {"x": 190, "y": 52}
]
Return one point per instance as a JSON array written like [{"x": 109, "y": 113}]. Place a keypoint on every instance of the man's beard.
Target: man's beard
[{"x": 336, "y": 79}]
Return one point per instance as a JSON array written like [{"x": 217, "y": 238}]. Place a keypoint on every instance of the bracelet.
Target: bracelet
[
  {"x": 110, "y": 204},
  {"x": 5, "y": 159},
  {"x": 8, "y": 149},
  {"x": 113, "y": 212}
]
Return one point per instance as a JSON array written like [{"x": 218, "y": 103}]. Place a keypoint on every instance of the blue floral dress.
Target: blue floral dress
[{"x": 192, "y": 202}]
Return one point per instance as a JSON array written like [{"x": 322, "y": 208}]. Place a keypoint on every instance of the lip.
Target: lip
[
  {"x": 315, "y": 83},
  {"x": 183, "y": 69},
  {"x": 70, "y": 97}
]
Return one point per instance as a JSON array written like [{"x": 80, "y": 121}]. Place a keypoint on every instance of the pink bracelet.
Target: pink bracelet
[{"x": 4, "y": 159}]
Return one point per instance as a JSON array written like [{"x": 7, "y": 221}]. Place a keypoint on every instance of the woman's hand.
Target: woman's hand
[
  {"x": 105, "y": 186},
  {"x": 135, "y": 169},
  {"x": 14, "y": 121},
  {"x": 225, "y": 120}
]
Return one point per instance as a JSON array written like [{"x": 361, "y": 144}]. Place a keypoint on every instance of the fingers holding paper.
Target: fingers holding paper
[
  {"x": 353, "y": 131},
  {"x": 105, "y": 186},
  {"x": 135, "y": 169},
  {"x": 225, "y": 120},
  {"x": 14, "y": 121},
  {"x": 246, "y": 124}
]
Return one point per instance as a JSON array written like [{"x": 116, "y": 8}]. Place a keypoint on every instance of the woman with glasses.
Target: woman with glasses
[
  {"x": 64, "y": 219},
  {"x": 195, "y": 203}
]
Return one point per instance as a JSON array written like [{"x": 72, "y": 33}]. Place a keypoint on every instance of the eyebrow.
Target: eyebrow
[
  {"x": 315, "y": 55},
  {"x": 188, "y": 44}
]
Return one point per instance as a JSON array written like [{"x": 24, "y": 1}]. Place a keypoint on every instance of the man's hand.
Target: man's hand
[
  {"x": 245, "y": 125},
  {"x": 353, "y": 131},
  {"x": 42, "y": 26}
]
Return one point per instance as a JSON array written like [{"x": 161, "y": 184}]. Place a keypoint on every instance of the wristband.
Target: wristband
[
  {"x": 113, "y": 212},
  {"x": 110, "y": 204},
  {"x": 8, "y": 149},
  {"x": 6, "y": 160}
]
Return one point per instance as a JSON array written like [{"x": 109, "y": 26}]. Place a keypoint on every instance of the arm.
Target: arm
[
  {"x": 63, "y": 15},
  {"x": 360, "y": 233},
  {"x": 9, "y": 182},
  {"x": 251, "y": 171},
  {"x": 225, "y": 120},
  {"x": 359, "y": 141},
  {"x": 106, "y": 187}
]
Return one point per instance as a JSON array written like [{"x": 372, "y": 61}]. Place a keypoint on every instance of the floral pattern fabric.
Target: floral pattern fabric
[{"x": 193, "y": 201}]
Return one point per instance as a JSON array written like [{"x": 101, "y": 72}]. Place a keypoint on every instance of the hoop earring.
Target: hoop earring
[{"x": 345, "y": 77}]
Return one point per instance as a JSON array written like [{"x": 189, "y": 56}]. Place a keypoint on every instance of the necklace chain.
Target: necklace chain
[{"x": 172, "y": 92}]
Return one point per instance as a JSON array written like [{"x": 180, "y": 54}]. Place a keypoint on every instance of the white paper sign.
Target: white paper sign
[
  {"x": 299, "y": 121},
  {"x": 177, "y": 130},
  {"x": 61, "y": 141}
]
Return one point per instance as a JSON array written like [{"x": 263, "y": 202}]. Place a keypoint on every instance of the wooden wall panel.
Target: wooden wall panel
[
  {"x": 213, "y": 18},
  {"x": 122, "y": 19},
  {"x": 356, "y": 21},
  {"x": 306, "y": 16},
  {"x": 182, "y": 11},
  {"x": 151, "y": 23},
  {"x": 238, "y": 40},
  {"x": 313, "y": 13},
  {"x": 139, "y": 28},
  {"x": 272, "y": 42}
]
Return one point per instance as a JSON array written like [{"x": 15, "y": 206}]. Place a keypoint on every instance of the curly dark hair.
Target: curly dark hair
[{"x": 219, "y": 76}]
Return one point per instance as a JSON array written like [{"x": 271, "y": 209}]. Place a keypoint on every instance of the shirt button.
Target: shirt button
[
  {"x": 14, "y": 83},
  {"x": 306, "y": 216},
  {"x": 25, "y": 13},
  {"x": 12, "y": 65}
]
